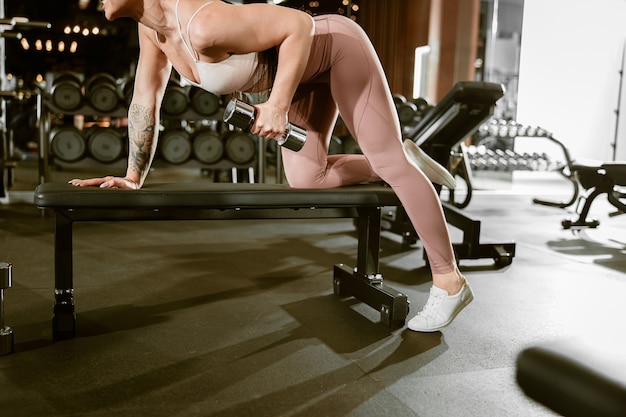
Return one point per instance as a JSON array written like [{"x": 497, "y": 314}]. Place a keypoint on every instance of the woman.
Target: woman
[{"x": 314, "y": 69}]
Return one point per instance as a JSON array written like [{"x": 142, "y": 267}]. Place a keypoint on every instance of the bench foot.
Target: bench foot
[
  {"x": 392, "y": 305},
  {"x": 501, "y": 253},
  {"x": 580, "y": 224},
  {"x": 64, "y": 317}
]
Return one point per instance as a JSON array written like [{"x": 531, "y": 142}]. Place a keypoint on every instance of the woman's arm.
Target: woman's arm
[
  {"x": 151, "y": 77},
  {"x": 223, "y": 29}
]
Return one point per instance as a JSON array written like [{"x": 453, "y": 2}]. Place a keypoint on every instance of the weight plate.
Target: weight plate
[
  {"x": 127, "y": 90},
  {"x": 101, "y": 91},
  {"x": 204, "y": 102},
  {"x": 103, "y": 98},
  {"x": 175, "y": 147},
  {"x": 398, "y": 99},
  {"x": 175, "y": 101},
  {"x": 68, "y": 144},
  {"x": 67, "y": 95},
  {"x": 105, "y": 145},
  {"x": 240, "y": 148},
  {"x": 407, "y": 111},
  {"x": 208, "y": 147}
]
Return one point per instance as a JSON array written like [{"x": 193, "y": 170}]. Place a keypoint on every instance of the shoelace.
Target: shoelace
[{"x": 431, "y": 305}]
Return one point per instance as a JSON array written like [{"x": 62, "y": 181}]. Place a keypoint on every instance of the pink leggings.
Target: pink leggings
[{"x": 344, "y": 76}]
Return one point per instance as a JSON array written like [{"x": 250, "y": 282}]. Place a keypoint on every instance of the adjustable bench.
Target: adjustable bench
[
  {"x": 605, "y": 178},
  {"x": 596, "y": 178},
  {"x": 219, "y": 201}
]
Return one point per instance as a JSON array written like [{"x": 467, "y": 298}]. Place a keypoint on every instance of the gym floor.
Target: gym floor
[{"x": 238, "y": 318}]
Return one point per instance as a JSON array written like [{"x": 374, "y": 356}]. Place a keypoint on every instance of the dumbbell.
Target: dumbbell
[
  {"x": 398, "y": 99},
  {"x": 203, "y": 102},
  {"x": 176, "y": 147},
  {"x": 241, "y": 115},
  {"x": 240, "y": 147},
  {"x": 67, "y": 144},
  {"x": 407, "y": 112},
  {"x": 6, "y": 333},
  {"x": 102, "y": 92},
  {"x": 176, "y": 99},
  {"x": 66, "y": 91},
  {"x": 105, "y": 144},
  {"x": 208, "y": 147}
]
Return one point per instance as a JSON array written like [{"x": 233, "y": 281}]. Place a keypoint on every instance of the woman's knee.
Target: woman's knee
[{"x": 305, "y": 182}]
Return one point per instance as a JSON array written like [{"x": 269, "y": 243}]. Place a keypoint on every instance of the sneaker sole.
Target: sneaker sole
[{"x": 431, "y": 168}]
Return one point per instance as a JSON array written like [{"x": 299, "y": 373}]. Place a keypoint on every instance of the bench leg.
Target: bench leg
[
  {"x": 64, "y": 318},
  {"x": 583, "y": 221},
  {"x": 364, "y": 282}
]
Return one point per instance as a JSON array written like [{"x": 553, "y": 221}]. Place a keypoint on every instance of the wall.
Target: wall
[
  {"x": 396, "y": 28},
  {"x": 453, "y": 38},
  {"x": 570, "y": 60}
]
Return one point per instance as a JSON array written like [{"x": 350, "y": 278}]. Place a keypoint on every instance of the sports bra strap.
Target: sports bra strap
[{"x": 188, "y": 46}]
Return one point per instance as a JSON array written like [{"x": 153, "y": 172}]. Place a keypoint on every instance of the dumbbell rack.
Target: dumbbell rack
[
  {"x": 6, "y": 333},
  {"x": 505, "y": 160},
  {"x": 8, "y": 27},
  {"x": 49, "y": 108},
  {"x": 6, "y": 269}
]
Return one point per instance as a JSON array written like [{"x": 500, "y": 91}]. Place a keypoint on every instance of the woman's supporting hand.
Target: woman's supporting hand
[{"x": 106, "y": 182}]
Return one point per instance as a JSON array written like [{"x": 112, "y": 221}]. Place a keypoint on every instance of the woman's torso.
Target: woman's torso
[
  {"x": 238, "y": 72},
  {"x": 234, "y": 73}
]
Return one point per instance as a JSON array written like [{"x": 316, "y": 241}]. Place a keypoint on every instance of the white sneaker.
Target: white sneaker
[
  {"x": 433, "y": 170},
  {"x": 441, "y": 309}
]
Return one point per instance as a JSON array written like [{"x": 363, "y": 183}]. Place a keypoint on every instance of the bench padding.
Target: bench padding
[{"x": 212, "y": 195}]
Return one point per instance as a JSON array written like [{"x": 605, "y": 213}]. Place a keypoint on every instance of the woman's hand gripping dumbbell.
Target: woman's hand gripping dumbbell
[{"x": 241, "y": 115}]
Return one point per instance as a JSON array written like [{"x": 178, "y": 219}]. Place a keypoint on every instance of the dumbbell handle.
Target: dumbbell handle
[{"x": 241, "y": 115}]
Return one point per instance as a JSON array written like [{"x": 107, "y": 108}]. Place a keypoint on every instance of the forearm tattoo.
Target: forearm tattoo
[{"x": 141, "y": 137}]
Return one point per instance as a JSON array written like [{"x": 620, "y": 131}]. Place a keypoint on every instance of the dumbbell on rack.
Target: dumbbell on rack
[
  {"x": 241, "y": 115},
  {"x": 6, "y": 333}
]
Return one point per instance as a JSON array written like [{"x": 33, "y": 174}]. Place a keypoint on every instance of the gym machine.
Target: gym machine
[
  {"x": 461, "y": 111},
  {"x": 10, "y": 29},
  {"x": 605, "y": 178},
  {"x": 596, "y": 178}
]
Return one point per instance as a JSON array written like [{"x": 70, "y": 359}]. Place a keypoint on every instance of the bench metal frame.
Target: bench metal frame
[{"x": 244, "y": 201}]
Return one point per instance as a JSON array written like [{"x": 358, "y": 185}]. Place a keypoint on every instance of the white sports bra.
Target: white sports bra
[{"x": 235, "y": 73}]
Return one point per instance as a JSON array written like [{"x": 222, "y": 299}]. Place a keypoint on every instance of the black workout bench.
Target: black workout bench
[
  {"x": 225, "y": 201},
  {"x": 596, "y": 178}
]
